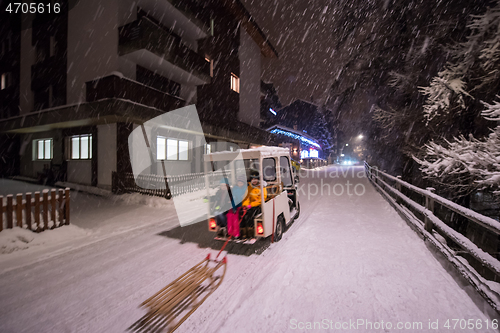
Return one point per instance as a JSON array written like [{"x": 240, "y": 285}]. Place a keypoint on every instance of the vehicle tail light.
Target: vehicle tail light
[
  {"x": 260, "y": 229},
  {"x": 212, "y": 224}
]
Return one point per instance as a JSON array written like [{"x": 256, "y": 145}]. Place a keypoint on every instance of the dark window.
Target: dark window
[
  {"x": 41, "y": 97},
  {"x": 41, "y": 52},
  {"x": 269, "y": 169}
]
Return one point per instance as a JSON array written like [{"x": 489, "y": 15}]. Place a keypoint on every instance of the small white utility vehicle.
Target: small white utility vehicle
[{"x": 279, "y": 208}]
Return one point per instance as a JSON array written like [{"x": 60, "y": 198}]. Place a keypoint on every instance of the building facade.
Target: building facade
[
  {"x": 309, "y": 123},
  {"x": 81, "y": 81}
]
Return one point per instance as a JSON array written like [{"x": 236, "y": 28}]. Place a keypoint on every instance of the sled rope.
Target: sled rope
[{"x": 223, "y": 246}]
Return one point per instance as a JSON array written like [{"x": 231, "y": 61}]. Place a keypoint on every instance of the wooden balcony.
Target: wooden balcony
[
  {"x": 143, "y": 40},
  {"x": 114, "y": 86}
]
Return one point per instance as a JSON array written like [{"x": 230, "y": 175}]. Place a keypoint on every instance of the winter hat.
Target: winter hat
[
  {"x": 241, "y": 178},
  {"x": 254, "y": 174}
]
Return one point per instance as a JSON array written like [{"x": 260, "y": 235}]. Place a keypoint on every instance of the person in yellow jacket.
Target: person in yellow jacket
[
  {"x": 253, "y": 200},
  {"x": 253, "y": 197}
]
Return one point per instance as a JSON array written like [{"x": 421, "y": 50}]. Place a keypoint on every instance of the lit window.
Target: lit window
[
  {"x": 183, "y": 150},
  {"x": 81, "y": 147},
  {"x": 160, "y": 148},
  {"x": 42, "y": 149},
  {"x": 208, "y": 148},
  {"x": 5, "y": 81},
  {"x": 207, "y": 59},
  {"x": 235, "y": 83},
  {"x": 171, "y": 149}
]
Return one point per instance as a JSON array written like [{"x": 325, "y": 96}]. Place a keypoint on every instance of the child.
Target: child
[
  {"x": 221, "y": 203},
  {"x": 239, "y": 194},
  {"x": 253, "y": 200},
  {"x": 239, "y": 191}
]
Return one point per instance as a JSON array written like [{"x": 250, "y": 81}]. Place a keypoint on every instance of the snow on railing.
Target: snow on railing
[
  {"x": 486, "y": 222},
  {"x": 405, "y": 205},
  {"x": 31, "y": 211}
]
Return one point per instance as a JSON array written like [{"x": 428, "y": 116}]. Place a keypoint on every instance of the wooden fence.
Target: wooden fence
[
  {"x": 160, "y": 186},
  {"x": 435, "y": 219},
  {"x": 37, "y": 212}
]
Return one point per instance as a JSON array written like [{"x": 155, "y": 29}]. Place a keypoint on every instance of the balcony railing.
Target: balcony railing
[
  {"x": 143, "y": 34},
  {"x": 114, "y": 86}
]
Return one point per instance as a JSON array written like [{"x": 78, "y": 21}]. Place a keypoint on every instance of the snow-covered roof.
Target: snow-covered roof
[{"x": 299, "y": 135}]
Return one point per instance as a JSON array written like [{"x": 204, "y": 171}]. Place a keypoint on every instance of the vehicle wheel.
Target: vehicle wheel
[
  {"x": 280, "y": 226},
  {"x": 298, "y": 211}
]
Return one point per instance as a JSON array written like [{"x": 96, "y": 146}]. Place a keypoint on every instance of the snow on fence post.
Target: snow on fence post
[
  {"x": 28, "y": 210},
  {"x": 1, "y": 212},
  {"x": 61, "y": 207},
  {"x": 375, "y": 174},
  {"x": 19, "y": 210},
  {"x": 398, "y": 188},
  {"x": 37, "y": 210},
  {"x": 10, "y": 210},
  {"x": 45, "y": 202},
  {"x": 66, "y": 197},
  {"x": 429, "y": 204},
  {"x": 53, "y": 207}
]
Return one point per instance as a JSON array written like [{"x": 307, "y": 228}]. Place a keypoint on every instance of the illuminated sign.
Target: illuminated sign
[
  {"x": 313, "y": 153},
  {"x": 296, "y": 136}
]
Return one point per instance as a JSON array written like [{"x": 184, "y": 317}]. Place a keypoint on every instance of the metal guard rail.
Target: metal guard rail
[{"x": 431, "y": 221}]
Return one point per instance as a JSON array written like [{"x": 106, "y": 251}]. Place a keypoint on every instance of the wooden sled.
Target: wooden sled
[{"x": 181, "y": 298}]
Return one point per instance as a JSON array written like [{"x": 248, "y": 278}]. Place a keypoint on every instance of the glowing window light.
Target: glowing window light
[
  {"x": 272, "y": 111},
  {"x": 296, "y": 136}
]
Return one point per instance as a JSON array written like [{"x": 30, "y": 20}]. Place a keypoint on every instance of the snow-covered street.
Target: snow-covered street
[{"x": 348, "y": 262}]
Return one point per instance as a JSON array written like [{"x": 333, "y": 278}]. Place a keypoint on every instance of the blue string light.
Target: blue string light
[{"x": 296, "y": 136}]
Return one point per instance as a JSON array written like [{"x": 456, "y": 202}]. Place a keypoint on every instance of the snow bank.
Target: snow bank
[
  {"x": 140, "y": 199},
  {"x": 85, "y": 188},
  {"x": 17, "y": 239}
]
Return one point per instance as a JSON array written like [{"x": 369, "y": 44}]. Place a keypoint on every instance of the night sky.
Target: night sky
[{"x": 301, "y": 32}]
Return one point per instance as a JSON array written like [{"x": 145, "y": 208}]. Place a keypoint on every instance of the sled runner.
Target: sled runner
[{"x": 182, "y": 297}]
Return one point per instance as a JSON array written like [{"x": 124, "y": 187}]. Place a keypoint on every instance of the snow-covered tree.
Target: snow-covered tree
[
  {"x": 472, "y": 70},
  {"x": 467, "y": 164},
  {"x": 447, "y": 89}
]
